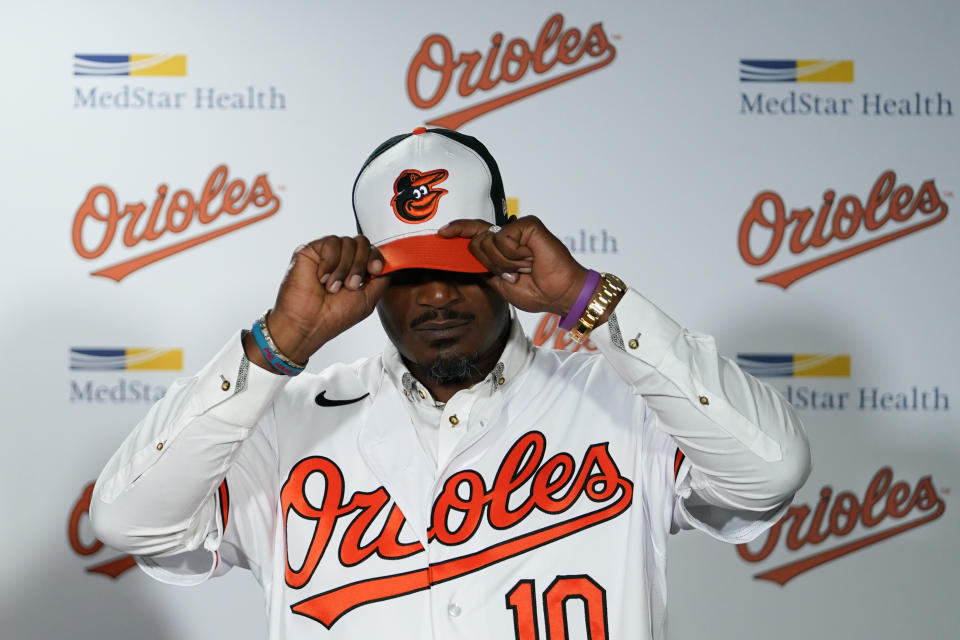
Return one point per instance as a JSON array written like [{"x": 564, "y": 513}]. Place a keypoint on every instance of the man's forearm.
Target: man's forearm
[
  {"x": 154, "y": 495},
  {"x": 745, "y": 443}
]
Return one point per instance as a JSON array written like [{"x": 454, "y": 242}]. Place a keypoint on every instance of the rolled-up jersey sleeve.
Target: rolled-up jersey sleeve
[
  {"x": 162, "y": 495},
  {"x": 744, "y": 448},
  {"x": 242, "y": 523}
]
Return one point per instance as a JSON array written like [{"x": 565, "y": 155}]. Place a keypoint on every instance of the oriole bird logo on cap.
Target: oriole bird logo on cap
[{"x": 415, "y": 199}]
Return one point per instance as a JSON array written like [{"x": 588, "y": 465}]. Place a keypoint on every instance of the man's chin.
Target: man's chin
[{"x": 453, "y": 367}]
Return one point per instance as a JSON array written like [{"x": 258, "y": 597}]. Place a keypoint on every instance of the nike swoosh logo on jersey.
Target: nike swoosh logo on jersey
[{"x": 324, "y": 401}]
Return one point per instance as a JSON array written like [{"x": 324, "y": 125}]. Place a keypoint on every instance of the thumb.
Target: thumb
[
  {"x": 514, "y": 293},
  {"x": 374, "y": 289}
]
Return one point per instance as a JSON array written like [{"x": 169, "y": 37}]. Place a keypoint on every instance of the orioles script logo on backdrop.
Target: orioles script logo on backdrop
[
  {"x": 555, "y": 485},
  {"x": 438, "y": 66},
  {"x": 889, "y": 213},
  {"x": 81, "y": 510},
  {"x": 101, "y": 217},
  {"x": 884, "y": 503}
]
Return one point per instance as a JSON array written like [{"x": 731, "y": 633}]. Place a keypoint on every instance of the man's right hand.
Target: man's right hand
[{"x": 327, "y": 289}]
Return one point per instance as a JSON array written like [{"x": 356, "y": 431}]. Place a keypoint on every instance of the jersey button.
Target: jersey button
[{"x": 454, "y": 610}]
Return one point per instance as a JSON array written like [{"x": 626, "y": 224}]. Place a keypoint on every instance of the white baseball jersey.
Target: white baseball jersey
[{"x": 546, "y": 519}]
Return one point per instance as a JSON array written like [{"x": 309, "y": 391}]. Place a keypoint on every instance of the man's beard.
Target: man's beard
[
  {"x": 453, "y": 369},
  {"x": 450, "y": 368}
]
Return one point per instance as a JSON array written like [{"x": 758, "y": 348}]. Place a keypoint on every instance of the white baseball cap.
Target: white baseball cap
[{"x": 415, "y": 183}]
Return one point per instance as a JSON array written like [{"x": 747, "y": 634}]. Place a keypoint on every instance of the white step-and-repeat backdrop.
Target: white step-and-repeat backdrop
[{"x": 782, "y": 175}]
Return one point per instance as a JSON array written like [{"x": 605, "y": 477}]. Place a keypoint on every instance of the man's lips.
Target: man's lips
[
  {"x": 439, "y": 328},
  {"x": 441, "y": 319}
]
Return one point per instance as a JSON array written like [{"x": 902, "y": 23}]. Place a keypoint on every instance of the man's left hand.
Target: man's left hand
[{"x": 534, "y": 270}]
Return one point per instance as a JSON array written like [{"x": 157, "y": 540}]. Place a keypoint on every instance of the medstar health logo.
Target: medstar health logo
[
  {"x": 796, "y": 71},
  {"x": 817, "y": 365},
  {"x": 108, "y": 359},
  {"x": 129, "y": 64}
]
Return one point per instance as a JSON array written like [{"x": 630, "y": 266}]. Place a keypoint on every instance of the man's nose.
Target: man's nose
[{"x": 439, "y": 292}]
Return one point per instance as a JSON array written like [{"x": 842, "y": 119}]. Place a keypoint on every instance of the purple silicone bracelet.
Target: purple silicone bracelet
[{"x": 569, "y": 321}]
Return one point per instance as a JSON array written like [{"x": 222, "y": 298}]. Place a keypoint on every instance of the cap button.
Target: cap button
[{"x": 419, "y": 130}]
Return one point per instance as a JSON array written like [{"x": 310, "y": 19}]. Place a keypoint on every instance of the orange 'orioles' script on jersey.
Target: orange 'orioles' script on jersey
[
  {"x": 557, "y": 484},
  {"x": 546, "y": 519}
]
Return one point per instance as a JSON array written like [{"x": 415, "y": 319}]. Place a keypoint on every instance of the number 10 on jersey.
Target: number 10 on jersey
[{"x": 520, "y": 600}]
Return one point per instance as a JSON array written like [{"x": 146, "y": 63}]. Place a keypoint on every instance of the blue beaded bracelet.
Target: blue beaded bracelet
[{"x": 274, "y": 358}]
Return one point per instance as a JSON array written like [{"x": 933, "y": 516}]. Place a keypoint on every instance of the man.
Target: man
[{"x": 463, "y": 484}]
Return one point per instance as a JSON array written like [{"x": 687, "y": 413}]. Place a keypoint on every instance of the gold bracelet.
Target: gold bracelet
[{"x": 611, "y": 288}]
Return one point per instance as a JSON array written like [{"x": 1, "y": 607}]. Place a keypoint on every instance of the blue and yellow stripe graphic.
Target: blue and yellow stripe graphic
[
  {"x": 131, "y": 64},
  {"x": 796, "y": 70},
  {"x": 513, "y": 207},
  {"x": 806, "y": 365},
  {"x": 126, "y": 359}
]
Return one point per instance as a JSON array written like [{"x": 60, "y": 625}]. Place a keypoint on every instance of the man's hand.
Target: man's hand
[
  {"x": 327, "y": 289},
  {"x": 536, "y": 271}
]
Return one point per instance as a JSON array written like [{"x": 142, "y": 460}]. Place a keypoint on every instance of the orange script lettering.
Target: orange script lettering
[{"x": 101, "y": 216}]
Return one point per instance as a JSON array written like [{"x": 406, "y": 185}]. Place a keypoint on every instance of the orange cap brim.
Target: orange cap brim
[{"x": 430, "y": 252}]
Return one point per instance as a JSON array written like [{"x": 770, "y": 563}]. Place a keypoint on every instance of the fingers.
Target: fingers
[
  {"x": 358, "y": 268},
  {"x": 376, "y": 262},
  {"x": 502, "y": 253},
  {"x": 462, "y": 228},
  {"x": 338, "y": 256},
  {"x": 367, "y": 261},
  {"x": 505, "y": 251},
  {"x": 342, "y": 262},
  {"x": 374, "y": 289}
]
